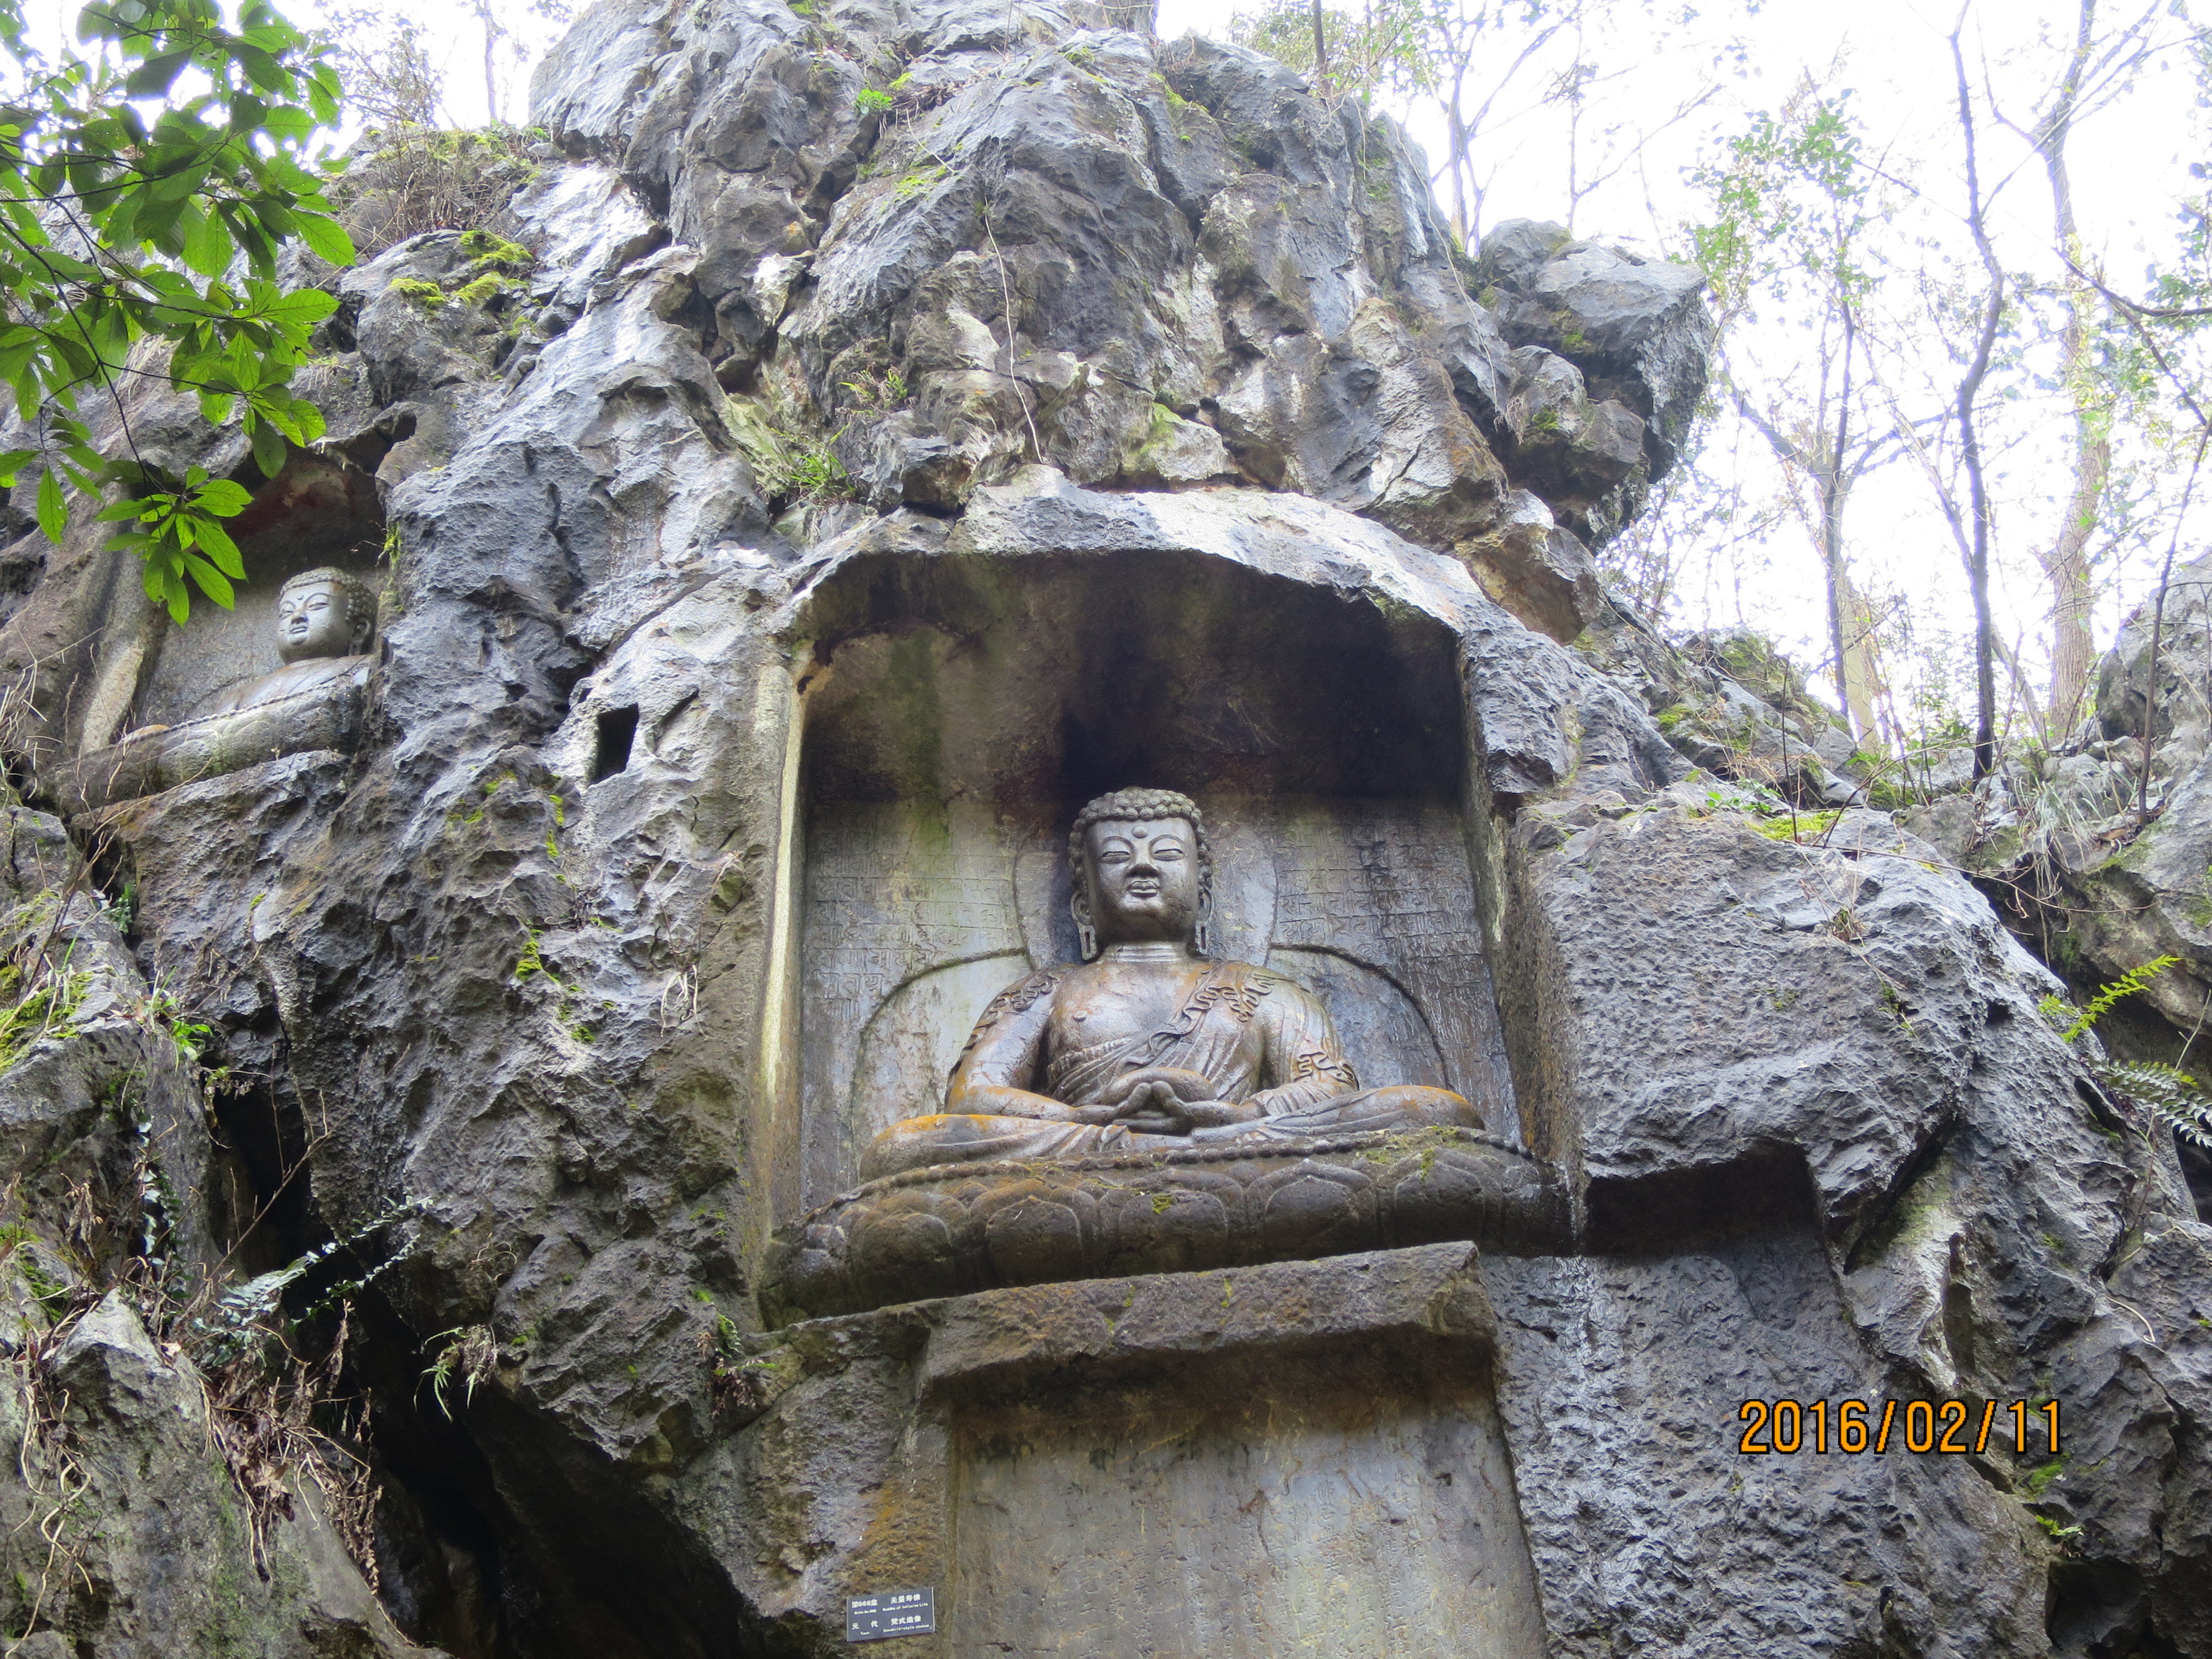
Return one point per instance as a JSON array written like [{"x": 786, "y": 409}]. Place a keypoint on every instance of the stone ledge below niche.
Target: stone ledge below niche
[
  {"x": 1394, "y": 1306},
  {"x": 958, "y": 1229}
]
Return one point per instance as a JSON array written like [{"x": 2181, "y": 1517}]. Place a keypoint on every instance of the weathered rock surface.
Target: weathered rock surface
[
  {"x": 124, "y": 1529},
  {"x": 2097, "y": 853},
  {"x": 2086, "y": 837},
  {"x": 1098, "y": 408},
  {"x": 1610, "y": 345}
]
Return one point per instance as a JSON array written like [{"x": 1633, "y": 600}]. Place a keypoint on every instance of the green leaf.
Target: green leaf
[
  {"x": 261, "y": 69},
  {"x": 53, "y": 511},
  {"x": 208, "y": 247},
  {"x": 183, "y": 179},
  {"x": 277, "y": 411},
  {"x": 209, "y": 581},
  {"x": 288, "y": 121},
  {"x": 325, "y": 235},
  {"x": 153, "y": 77},
  {"x": 222, "y": 551},
  {"x": 270, "y": 450},
  {"x": 224, "y": 498},
  {"x": 12, "y": 463},
  {"x": 302, "y": 308}
]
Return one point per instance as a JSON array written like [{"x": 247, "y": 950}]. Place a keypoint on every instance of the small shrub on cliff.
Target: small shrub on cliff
[{"x": 411, "y": 180}]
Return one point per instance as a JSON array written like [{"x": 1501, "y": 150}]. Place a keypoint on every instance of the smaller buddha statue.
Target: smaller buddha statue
[
  {"x": 1150, "y": 1043},
  {"x": 324, "y": 620},
  {"x": 314, "y": 701}
]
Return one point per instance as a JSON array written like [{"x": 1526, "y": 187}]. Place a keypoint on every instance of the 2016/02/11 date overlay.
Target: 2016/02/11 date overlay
[{"x": 1787, "y": 1426}]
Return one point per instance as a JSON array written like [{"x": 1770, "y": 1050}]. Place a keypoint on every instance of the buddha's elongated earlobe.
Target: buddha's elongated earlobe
[
  {"x": 1201, "y": 934},
  {"x": 1078, "y": 906}
]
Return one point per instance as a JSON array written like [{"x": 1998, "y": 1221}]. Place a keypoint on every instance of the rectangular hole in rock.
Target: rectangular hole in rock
[{"x": 617, "y": 730}]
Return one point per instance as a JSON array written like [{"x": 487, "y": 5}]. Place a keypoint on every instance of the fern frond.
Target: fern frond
[
  {"x": 2169, "y": 1094},
  {"x": 2135, "y": 979}
]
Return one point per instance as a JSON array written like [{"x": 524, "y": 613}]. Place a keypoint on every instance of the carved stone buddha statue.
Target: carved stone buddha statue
[
  {"x": 324, "y": 620},
  {"x": 314, "y": 701},
  {"x": 1149, "y": 1042}
]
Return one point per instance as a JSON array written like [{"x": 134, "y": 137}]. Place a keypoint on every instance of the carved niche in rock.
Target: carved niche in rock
[
  {"x": 955, "y": 719},
  {"x": 324, "y": 619}
]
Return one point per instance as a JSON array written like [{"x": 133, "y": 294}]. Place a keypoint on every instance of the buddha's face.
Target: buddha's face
[
  {"x": 314, "y": 621},
  {"x": 1144, "y": 879}
]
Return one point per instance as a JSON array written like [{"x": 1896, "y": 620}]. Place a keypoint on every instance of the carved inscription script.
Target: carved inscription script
[
  {"x": 1386, "y": 884},
  {"x": 911, "y": 927}
]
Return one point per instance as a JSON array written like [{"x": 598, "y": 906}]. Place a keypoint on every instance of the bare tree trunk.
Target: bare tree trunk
[
  {"x": 1969, "y": 442},
  {"x": 1321, "y": 50},
  {"x": 1851, "y": 619},
  {"x": 491, "y": 81},
  {"x": 1458, "y": 137},
  {"x": 2066, "y": 560}
]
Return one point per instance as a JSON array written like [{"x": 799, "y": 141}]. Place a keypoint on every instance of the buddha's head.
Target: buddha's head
[
  {"x": 1142, "y": 871},
  {"x": 324, "y": 613}
]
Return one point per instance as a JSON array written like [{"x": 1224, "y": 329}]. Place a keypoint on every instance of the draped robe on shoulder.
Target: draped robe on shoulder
[{"x": 1254, "y": 1036}]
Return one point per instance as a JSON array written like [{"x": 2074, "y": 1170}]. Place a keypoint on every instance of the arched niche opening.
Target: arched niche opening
[
  {"x": 960, "y": 709},
  {"x": 319, "y": 510}
]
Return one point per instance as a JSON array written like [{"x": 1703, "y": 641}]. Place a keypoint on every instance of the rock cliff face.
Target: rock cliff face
[{"x": 901, "y": 422}]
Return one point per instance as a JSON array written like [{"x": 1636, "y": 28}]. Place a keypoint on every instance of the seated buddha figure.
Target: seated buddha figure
[
  {"x": 324, "y": 619},
  {"x": 1150, "y": 1043}
]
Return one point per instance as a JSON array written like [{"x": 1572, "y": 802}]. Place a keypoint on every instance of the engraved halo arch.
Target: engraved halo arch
[{"x": 1134, "y": 806}]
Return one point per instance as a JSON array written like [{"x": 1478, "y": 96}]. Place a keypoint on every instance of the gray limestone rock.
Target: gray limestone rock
[
  {"x": 2120, "y": 857},
  {"x": 845, "y": 495},
  {"x": 1636, "y": 327},
  {"x": 123, "y": 1531}
]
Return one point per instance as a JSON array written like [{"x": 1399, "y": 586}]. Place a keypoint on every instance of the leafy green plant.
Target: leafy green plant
[
  {"x": 116, "y": 228},
  {"x": 43, "y": 1011},
  {"x": 469, "y": 1352},
  {"x": 871, "y": 98},
  {"x": 787, "y": 467},
  {"x": 191, "y": 1036},
  {"x": 178, "y": 533},
  {"x": 2127, "y": 985},
  {"x": 737, "y": 1383},
  {"x": 246, "y": 1313},
  {"x": 2167, "y": 1092}
]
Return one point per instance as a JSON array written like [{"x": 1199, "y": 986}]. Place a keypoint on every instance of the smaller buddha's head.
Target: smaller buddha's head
[
  {"x": 1142, "y": 871},
  {"x": 324, "y": 613}
]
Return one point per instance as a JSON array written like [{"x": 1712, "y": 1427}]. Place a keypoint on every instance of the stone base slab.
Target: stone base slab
[
  {"x": 959, "y": 1229},
  {"x": 1299, "y": 1456}
]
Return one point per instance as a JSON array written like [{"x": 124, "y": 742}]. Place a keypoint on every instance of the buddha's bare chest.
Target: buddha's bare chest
[{"x": 1118, "y": 1003}]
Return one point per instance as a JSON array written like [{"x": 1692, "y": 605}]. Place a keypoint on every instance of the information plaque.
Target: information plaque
[{"x": 894, "y": 1612}]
